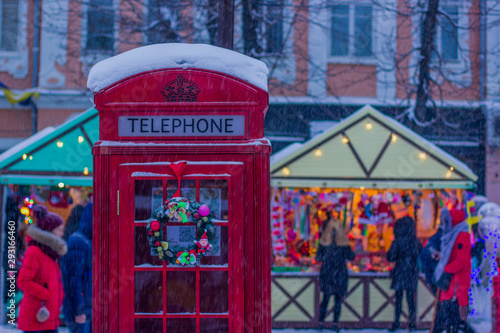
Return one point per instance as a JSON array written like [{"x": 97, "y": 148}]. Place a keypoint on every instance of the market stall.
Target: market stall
[
  {"x": 369, "y": 170},
  {"x": 51, "y": 168}
]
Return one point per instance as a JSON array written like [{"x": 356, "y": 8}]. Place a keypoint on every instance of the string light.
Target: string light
[
  {"x": 80, "y": 139},
  {"x": 318, "y": 152},
  {"x": 369, "y": 126},
  {"x": 25, "y": 156},
  {"x": 61, "y": 185},
  {"x": 85, "y": 171},
  {"x": 60, "y": 144},
  {"x": 422, "y": 156},
  {"x": 285, "y": 171},
  {"x": 26, "y": 210},
  {"x": 394, "y": 137},
  {"x": 449, "y": 174},
  {"x": 345, "y": 139},
  {"x": 31, "y": 157}
]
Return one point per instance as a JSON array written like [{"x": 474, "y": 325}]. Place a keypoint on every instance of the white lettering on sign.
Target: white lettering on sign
[{"x": 181, "y": 125}]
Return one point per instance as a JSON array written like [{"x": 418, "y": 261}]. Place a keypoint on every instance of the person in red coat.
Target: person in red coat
[
  {"x": 456, "y": 245},
  {"x": 40, "y": 276}
]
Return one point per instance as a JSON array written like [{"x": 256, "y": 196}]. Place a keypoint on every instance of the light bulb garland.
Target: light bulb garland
[{"x": 26, "y": 210}]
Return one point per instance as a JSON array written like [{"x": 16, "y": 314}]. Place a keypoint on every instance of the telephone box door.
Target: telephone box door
[{"x": 158, "y": 296}]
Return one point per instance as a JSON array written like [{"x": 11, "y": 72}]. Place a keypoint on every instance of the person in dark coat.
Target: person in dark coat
[
  {"x": 404, "y": 252},
  {"x": 333, "y": 251},
  {"x": 76, "y": 269},
  {"x": 74, "y": 218}
]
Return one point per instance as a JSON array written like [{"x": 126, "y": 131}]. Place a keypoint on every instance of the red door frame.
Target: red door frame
[{"x": 233, "y": 173}]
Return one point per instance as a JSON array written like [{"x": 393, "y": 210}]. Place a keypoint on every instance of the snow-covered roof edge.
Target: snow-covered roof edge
[
  {"x": 40, "y": 138},
  {"x": 177, "y": 55},
  {"x": 276, "y": 164}
]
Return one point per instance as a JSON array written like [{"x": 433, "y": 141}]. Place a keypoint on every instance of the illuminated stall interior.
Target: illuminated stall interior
[{"x": 370, "y": 170}]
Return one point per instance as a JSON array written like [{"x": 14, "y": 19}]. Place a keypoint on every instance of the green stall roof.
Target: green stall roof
[{"x": 60, "y": 154}]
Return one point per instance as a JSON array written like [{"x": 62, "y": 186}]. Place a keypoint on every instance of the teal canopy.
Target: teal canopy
[{"x": 60, "y": 155}]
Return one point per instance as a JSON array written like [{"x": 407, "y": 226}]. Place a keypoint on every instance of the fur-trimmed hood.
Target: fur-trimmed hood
[{"x": 49, "y": 239}]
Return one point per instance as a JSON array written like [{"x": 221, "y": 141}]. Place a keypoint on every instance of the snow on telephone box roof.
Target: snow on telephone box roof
[{"x": 177, "y": 55}]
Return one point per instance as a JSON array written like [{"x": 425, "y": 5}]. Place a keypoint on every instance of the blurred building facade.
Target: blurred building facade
[{"x": 326, "y": 60}]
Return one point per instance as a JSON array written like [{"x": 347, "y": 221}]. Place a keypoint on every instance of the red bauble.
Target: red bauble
[
  {"x": 188, "y": 214},
  {"x": 157, "y": 243},
  {"x": 155, "y": 225},
  {"x": 197, "y": 216},
  {"x": 150, "y": 233}
]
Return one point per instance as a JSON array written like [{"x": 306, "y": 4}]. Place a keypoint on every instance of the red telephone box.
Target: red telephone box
[{"x": 199, "y": 132}]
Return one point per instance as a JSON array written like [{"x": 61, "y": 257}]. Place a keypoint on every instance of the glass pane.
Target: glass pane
[
  {"x": 213, "y": 292},
  {"x": 214, "y": 325},
  {"x": 188, "y": 188},
  {"x": 449, "y": 34},
  {"x": 181, "y": 292},
  {"x": 181, "y": 325},
  {"x": 274, "y": 33},
  {"x": 180, "y": 237},
  {"x": 148, "y": 196},
  {"x": 9, "y": 20},
  {"x": 363, "y": 31},
  {"x": 148, "y": 325},
  {"x": 214, "y": 193},
  {"x": 340, "y": 30},
  {"x": 148, "y": 293},
  {"x": 218, "y": 254},
  {"x": 142, "y": 253}
]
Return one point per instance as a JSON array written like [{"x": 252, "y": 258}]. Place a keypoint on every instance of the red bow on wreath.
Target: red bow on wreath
[{"x": 178, "y": 169}]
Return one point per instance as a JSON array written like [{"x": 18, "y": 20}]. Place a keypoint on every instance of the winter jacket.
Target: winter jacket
[
  {"x": 404, "y": 251},
  {"x": 40, "y": 280},
  {"x": 333, "y": 276},
  {"x": 433, "y": 247},
  {"x": 72, "y": 223},
  {"x": 76, "y": 269},
  {"x": 459, "y": 265}
]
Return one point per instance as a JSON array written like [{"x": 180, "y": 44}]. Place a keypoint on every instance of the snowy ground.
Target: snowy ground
[{"x": 481, "y": 327}]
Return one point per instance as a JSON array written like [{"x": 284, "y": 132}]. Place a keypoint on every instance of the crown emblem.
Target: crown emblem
[{"x": 180, "y": 90}]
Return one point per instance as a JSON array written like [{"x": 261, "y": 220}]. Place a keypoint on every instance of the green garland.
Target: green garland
[{"x": 183, "y": 210}]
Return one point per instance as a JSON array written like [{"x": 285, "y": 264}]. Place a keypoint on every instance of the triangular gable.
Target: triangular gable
[
  {"x": 369, "y": 146},
  {"x": 54, "y": 154}
]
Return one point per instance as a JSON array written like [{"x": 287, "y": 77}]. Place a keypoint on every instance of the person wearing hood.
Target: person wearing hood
[
  {"x": 455, "y": 265},
  {"x": 40, "y": 276},
  {"x": 404, "y": 251},
  {"x": 333, "y": 251},
  {"x": 77, "y": 276}
]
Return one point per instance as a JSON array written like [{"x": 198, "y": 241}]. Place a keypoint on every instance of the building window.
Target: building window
[
  {"x": 161, "y": 21},
  {"x": 351, "y": 31},
  {"x": 448, "y": 33},
  {"x": 100, "y": 25},
  {"x": 496, "y": 127},
  {"x": 9, "y": 25},
  {"x": 274, "y": 26}
]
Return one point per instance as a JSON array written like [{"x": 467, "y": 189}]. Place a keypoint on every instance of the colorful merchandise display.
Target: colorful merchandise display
[{"x": 367, "y": 215}]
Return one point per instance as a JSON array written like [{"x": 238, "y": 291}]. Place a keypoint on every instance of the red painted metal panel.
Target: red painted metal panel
[{"x": 244, "y": 161}]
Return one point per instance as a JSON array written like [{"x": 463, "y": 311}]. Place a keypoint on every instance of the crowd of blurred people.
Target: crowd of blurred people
[{"x": 445, "y": 260}]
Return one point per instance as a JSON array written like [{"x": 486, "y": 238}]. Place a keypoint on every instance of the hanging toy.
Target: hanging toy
[
  {"x": 204, "y": 210},
  {"x": 203, "y": 244}
]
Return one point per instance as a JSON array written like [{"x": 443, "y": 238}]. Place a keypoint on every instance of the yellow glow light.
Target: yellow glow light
[
  {"x": 285, "y": 171},
  {"x": 394, "y": 138},
  {"x": 80, "y": 139},
  {"x": 31, "y": 157},
  {"x": 85, "y": 171},
  {"x": 59, "y": 144},
  {"x": 362, "y": 188},
  {"x": 369, "y": 126},
  {"x": 25, "y": 210},
  {"x": 318, "y": 152},
  {"x": 61, "y": 185},
  {"x": 449, "y": 174},
  {"x": 452, "y": 168},
  {"x": 345, "y": 139},
  {"x": 25, "y": 156},
  {"x": 422, "y": 156}
]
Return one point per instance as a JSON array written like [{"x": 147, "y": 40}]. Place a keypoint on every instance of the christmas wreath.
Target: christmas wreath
[{"x": 180, "y": 209}]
